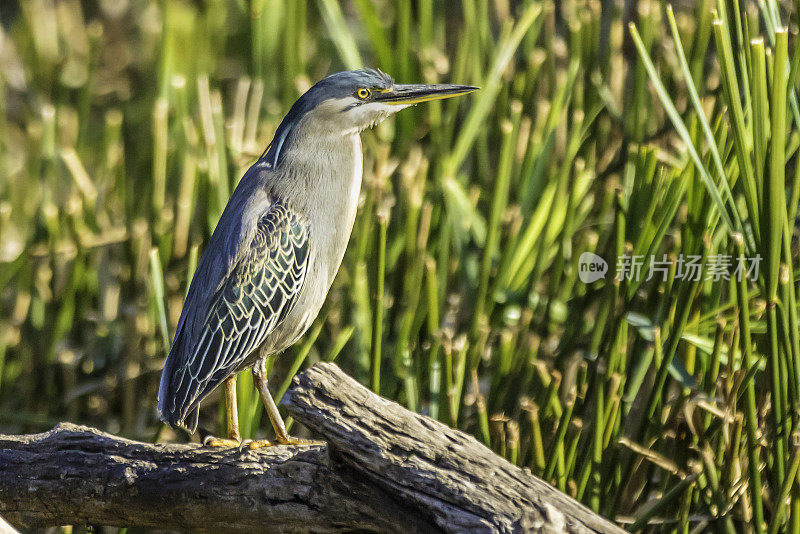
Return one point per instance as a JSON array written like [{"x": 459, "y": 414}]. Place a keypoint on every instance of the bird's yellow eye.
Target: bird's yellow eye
[{"x": 363, "y": 93}]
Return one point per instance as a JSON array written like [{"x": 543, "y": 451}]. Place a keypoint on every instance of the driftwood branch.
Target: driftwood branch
[
  {"x": 78, "y": 475},
  {"x": 383, "y": 469}
]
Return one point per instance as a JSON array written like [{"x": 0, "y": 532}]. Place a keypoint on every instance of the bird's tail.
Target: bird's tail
[{"x": 172, "y": 413}]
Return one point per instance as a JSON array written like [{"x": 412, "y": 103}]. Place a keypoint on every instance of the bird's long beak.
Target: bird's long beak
[{"x": 407, "y": 94}]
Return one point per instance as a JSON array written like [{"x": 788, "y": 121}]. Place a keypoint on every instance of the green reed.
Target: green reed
[{"x": 666, "y": 403}]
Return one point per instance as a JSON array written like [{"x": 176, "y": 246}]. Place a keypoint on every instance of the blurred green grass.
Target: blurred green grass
[{"x": 619, "y": 128}]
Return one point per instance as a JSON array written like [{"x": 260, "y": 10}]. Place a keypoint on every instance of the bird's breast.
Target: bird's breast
[
  {"x": 328, "y": 203},
  {"x": 333, "y": 213}
]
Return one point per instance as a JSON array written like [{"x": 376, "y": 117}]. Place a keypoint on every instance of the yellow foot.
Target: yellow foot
[
  {"x": 290, "y": 440},
  {"x": 261, "y": 443},
  {"x": 211, "y": 441},
  {"x": 256, "y": 443}
]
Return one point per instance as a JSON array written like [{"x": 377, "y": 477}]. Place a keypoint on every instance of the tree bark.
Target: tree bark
[
  {"x": 383, "y": 469},
  {"x": 78, "y": 475}
]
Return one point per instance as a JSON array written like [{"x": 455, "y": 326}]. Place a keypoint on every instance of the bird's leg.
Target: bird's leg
[
  {"x": 281, "y": 435},
  {"x": 232, "y": 412}
]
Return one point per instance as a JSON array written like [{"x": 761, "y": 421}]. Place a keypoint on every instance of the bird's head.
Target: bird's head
[{"x": 348, "y": 102}]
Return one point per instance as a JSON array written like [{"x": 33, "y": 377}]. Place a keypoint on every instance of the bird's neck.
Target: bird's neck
[
  {"x": 320, "y": 175},
  {"x": 321, "y": 179},
  {"x": 320, "y": 161}
]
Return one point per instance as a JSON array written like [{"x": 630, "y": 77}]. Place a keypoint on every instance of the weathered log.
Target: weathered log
[
  {"x": 455, "y": 483},
  {"x": 78, "y": 475},
  {"x": 383, "y": 469}
]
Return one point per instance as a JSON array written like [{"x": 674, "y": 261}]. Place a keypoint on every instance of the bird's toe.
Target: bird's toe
[
  {"x": 256, "y": 443},
  {"x": 212, "y": 441},
  {"x": 291, "y": 440}
]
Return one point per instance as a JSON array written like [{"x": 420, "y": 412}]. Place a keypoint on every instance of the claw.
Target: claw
[
  {"x": 211, "y": 441},
  {"x": 256, "y": 443},
  {"x": 291, "y": 440}
]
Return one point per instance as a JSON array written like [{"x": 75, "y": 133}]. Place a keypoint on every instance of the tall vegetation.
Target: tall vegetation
[{"x": 665, "y": 394}]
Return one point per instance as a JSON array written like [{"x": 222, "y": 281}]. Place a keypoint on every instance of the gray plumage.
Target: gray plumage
[{"x": 271, "y": 260}]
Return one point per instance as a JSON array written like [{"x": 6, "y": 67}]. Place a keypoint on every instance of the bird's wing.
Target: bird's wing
[{"x": 257, "y": 293}]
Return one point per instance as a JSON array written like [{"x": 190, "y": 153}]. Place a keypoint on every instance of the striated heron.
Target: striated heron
[{"x": 280, "y": 240}]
